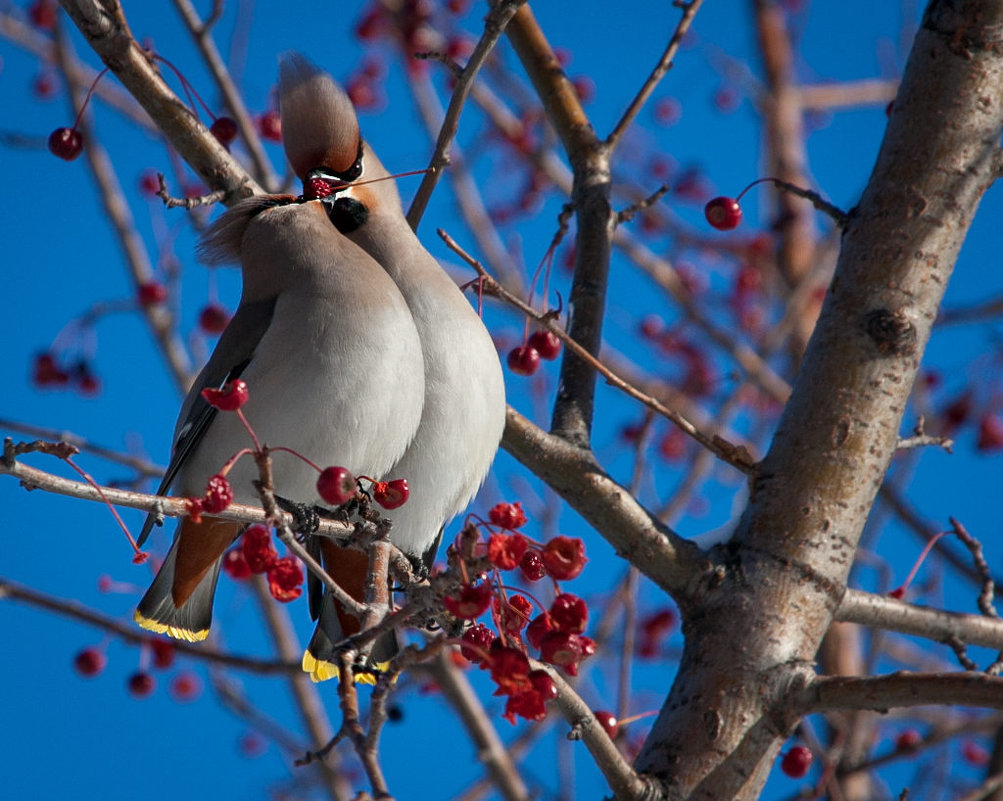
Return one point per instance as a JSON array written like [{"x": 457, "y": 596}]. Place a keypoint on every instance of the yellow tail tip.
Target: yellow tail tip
[
  {"x": 321, "y": 670},
  {"x": 171, "y": 631}
]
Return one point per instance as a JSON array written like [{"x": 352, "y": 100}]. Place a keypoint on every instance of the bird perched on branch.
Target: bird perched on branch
[
  {"x": 464, "y": 409},
  {"x": 330, "y": 354}
]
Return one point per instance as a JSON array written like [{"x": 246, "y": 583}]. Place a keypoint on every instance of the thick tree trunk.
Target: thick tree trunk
[{"x": 754, "y": 624}]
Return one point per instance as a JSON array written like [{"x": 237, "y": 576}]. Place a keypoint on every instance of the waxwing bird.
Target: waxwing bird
[
  {"x": 330, "y": 354},
  {"x": 464, "y": 409}
]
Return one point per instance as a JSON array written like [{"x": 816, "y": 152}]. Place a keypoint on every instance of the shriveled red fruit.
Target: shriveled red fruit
[
  {"x": 563, "y": 649},
  {"x": 336, "y": 485},
  {"x": 270, "y": 126},
  {"x": 564, "y": 557},
  {"x": 479, "y": 636},
  {"x": 66, "y": 143},
  {"x": 151, "y": 293},
  {"x": 514, "y": 613},
  {"x": 531, "y": 565},
  {"x": 141, "y": 684},
  {"x": 796, "y": 762},
  {"x": 224, "y": 129},
  {"x": 391, "y": 494},
  {"x": 538, "y": 628},
  {"x": 507, "y": 515},
  {"x": 472, "y": 601},
  {"x": 89, "y": 662},
  {"x": 46, "y": 372},
  {"x": 257, "y": 547},
  {"x": 186, "y": 687},
  {"x": 547, "y": 344},
  {"x": 524, "y": 360},
  {"x": 230, "y": 397},
  {"x": 163, "y": 653},
  {"x": 509, "y": 670},
  {"x": 218, "y": 495},
  {"x": 213, "y": 319},
  {"x": 235, "y": 564},
  {"x": 723, "y": 213},
  {"x": 569, "y": 613},
  {"x": 505, "y": 551},
  {"x": 608, "y": 721},
  {"x": 285, "y": 579}
]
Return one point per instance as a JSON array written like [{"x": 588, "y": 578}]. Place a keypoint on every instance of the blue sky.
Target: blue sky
[{"x": 64, "y": 735}]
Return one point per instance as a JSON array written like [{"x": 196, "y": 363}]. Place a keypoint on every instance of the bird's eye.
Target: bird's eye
[{"x": 347, "y": 214}]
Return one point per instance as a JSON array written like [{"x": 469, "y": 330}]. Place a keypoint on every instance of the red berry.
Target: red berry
[
  {"x": 472, "y": 601},
  {"x": 990, "y": 433},
  {"x": 46, "y": 372},
  {"x": 186, "y": 687},
  {"x": 908, "y": 740},
  {"x": 224, "y": 129},
  {"x": 563, "y": 649},
  {"x": 141, "y": 684},
  {"x": 285, "y": 579},
  {"x": 256, "y": 546},
  {"x": 507, "y": 515},
  {"x": 569, "y": 613},
  {"x": 218, "y": 495},
  {"x": 796, "y": 762},
  {"x": 564, "y": 557},
  {"x": 974, "y": 754},
  {"x": 213, "y": 319},
  {"x": 668, "y": 111},
  {"x": 67, "y": 143},
  {"x": 149, "y": 183},
  {"x": 252, "y": 745},
  {"x": 608, "y": 721},
  {"x": 42, "y": 14},
  {"x": 229, "y": 398},
  {"x": 585, "y": 88},
  {"x": 44, "y": 85},
  {"x": 372, "y": 25},
  {"x": 726, "y": 99},
  {"x": 538, "y": 628},
  {"x": 506, "y": 551},
  {"x": 270, "y": 126},
  {"x": 524, "y": 360},
  {"x": 89, "y": 662},
  {"x": 723, "y": 213},
  {"x": 479, "y": 636},
  {"x": 163, "y": 653},
  {"x": 235, "y": 564},
  {"x": 547, "y": 344},
  {"x": 89, "y": 383},
  {"x": 391, "y": 494},
  {"x": 457, "y": 6},
  {"x": 151, "y": 293},
  {"x": 531, "y": 565},
  {"x": 336, "y": 485}
]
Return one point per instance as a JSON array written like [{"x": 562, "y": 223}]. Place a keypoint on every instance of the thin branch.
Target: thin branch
[
  {"x": 883, "y": 611},
  {"x": 200, "y": 32},
  {"x": 77, "y": 611},
  {"x": 735, "y": 455},
  {"x": 187, "y": 203},
  {"x": 902, "y": 689},
  {"x": 494, "y": 26},
  {"x": 664, "y": 65},
  {"x": 491, "y": 751},
  {"x": 32, "y": 478},
  {"x": 623, "y": 780}
]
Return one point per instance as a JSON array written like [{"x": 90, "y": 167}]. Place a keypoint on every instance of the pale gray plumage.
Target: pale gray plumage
[
  {"x": 332, "y": 360},
  {"x": 464, "y": 408}
]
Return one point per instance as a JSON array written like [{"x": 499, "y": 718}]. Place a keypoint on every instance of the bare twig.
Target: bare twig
[
  {"x": 77, "y": 611},
  {"x": 494, "y": 25},
  {"x": 735, "y": 455},
  {"x": 187, "y": 203},
  {"x": 664, "y": 65},
  {"x": 902, "y": 689}
]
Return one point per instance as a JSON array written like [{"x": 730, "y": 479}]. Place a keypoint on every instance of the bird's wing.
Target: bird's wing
[{"x": 233, "y": 353}]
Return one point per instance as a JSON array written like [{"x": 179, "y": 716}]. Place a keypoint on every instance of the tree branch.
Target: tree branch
[{"x": 902, "y": 689}]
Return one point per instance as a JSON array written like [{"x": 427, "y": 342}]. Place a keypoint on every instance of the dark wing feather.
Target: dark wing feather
[{"x": 233, "y": 353}]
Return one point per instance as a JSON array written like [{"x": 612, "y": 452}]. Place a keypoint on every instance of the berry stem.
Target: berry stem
[
  {"x": 900, "y": 590},
  {"x": 140, "y": 556},
  {"x": 254, "y": 437},
  {"x": 839, "y": 216},
  {"x": 87, "y": 97}
]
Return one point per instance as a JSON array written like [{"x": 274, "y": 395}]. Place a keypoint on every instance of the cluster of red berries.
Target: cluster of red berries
[
  {"x": 185, "y": 686},
  {"x": 47, "y": 372},
  {"x": 256, "y": 553},
  {"x": 525, "y": 359},
  {"x": 558, "y": 633},
  {"x": 336, "y": 485},
  {"x": 365, "y": 86}
]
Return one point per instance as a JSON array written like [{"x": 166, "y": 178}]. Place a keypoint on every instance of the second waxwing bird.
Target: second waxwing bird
[
  {"x": 464, "y": 408},
  {"x": 330, "y": 354}
]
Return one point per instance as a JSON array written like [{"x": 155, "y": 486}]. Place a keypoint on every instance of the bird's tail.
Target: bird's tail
[
  {"x": 348, "y": 567},
  {"x": 179, "y": 602}
]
